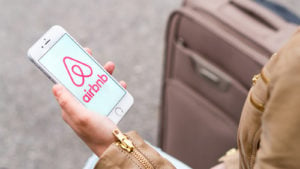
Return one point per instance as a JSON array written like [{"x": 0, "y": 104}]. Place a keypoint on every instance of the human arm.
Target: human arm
[
  {"x": 280, "y": 138},
  {"x": 96, "y": 131}
]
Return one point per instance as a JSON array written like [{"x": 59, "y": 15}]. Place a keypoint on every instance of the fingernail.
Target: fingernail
[
  {"x": 57, "y": 90},
  {"x": 89, "y": 50}
]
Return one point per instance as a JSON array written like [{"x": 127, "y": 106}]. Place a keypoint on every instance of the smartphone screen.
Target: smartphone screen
[{"x": 82, "y": 76}]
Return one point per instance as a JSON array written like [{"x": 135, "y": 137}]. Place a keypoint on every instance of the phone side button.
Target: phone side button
[{"x": 119, "y": 111}]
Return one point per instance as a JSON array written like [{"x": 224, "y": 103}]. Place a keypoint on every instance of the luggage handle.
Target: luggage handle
[
  {"x": 209, "y": 73},
  {"x": 259, "y": 13},
  {"x": 205, "y": 69}
]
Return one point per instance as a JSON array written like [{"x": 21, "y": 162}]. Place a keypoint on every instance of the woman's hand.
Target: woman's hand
[{"x": 94, "y": 129}]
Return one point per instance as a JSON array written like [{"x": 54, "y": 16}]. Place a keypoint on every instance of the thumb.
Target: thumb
[{"x": 66, "y": 100}]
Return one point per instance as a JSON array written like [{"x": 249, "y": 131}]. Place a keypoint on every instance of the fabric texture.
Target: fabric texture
[
  {"x": 92, "y": 161},
  {"x": 117, "y": 158},
  {"x": 268, "y": 135},
  {"x": 173, "y": 160}
]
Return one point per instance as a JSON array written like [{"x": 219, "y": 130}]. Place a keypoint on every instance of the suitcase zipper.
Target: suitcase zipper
[{"x": 127, "y": 145}]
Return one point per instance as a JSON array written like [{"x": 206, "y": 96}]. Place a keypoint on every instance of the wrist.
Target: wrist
[{"x": 101, "y": 147}]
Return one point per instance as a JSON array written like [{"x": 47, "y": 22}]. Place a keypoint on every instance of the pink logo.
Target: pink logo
[
  {"x": 77, "y": 69},
  {"x": 95, "y": 88}
]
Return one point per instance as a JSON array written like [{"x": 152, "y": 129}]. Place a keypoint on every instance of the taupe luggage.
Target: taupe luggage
[{"x": 213, "y": 49}]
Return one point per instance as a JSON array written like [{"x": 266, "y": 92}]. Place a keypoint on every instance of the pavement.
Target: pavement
[{"x": 130, "y": 33}]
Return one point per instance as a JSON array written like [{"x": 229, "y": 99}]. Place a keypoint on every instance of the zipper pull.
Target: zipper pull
[
  {"x": 255, "y": 78},
  {"x": 124, "y": 142}
]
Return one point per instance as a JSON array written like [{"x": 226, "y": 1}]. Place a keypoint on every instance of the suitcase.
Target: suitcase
[{"x": 213, "y": 49}]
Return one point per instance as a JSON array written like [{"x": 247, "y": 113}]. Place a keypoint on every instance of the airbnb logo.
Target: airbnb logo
[
  {"x": 76, "y": 69},
  {"x": 80, "y": 71}
]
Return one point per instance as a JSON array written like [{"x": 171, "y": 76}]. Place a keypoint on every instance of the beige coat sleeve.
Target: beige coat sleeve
[
  {"x": 280, "y": 137},
  {"x": 142, "y": 156}
]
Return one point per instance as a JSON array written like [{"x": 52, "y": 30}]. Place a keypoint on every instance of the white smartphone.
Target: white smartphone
[{"x": 64, "y": 61}]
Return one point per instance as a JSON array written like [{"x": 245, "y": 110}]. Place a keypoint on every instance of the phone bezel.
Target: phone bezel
[{"x": 54, "y": 34}]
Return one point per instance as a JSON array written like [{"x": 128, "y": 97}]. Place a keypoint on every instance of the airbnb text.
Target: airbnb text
[{"x": 94, "y": 88}]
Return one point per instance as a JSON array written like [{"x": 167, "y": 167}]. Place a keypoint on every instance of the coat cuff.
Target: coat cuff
[{"x": 116, "y": 157}]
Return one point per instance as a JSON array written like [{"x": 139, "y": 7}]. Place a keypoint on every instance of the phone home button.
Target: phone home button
[{"x": 119, "y": 111}]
